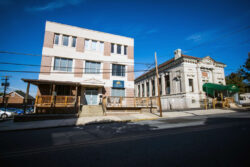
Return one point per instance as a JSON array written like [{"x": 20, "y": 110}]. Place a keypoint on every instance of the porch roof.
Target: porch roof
[{"x": 41, "y": 81}]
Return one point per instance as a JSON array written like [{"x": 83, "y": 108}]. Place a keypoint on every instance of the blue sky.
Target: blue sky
[{"x": 218, "y": 28}]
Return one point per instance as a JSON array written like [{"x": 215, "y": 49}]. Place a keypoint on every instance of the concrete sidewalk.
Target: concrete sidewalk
[{"x": 12, "y": 126}]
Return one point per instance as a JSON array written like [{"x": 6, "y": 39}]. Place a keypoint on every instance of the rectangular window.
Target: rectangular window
[
  {"x": 191, "y": 87},
  {"x": 112, "y": 48},
  {"x": 73, "y": 43},
  {"x": 65, "y": 40},
  {"x": 56, "y": 39},
  {"x": 118, "y": 70},
  {"x": 118, "y": 92},
  {"x": 119, "y": 49},
  {"x": 101, "y": 47},
  {"x": 94, "y": 45},
  {"x": 160, "y": 86},
  {"x": 125, "y": 50},
  {"x": 87, "y": 44},
  {"x": 63, "y": 64},
  {"x": 92, "y": 67},
  {"x": 167, "y": 82}
]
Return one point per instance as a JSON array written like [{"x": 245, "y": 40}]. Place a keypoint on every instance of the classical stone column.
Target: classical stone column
[
  {"x": 150, "y": 87},
  {"x": 171, "y": 82},
  {"x": 163, "y": 84},
  {"x": 145, "y": 88},
  {"x": 141, "y": 89},
  {"x": 156, "y": 88}
]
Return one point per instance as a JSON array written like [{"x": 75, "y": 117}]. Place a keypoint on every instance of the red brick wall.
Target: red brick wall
[
  {"x": 130, "y": 73},
  {"x": 78, "y": 67},
  {"x": 106, "y": 71},
  {"x": 48, "y": 39},
  {"x": 107, "y": 48},
  {"x": 130, "y": 52},
  {"x": 80, "y": 44},
  {"x": 46, "y": 61},
  {"x": 16, "y": 99},
  {"x": 130, "y": 93}
]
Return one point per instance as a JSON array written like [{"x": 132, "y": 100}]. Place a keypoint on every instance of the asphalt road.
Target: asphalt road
[{"x": 212, "y": 141}]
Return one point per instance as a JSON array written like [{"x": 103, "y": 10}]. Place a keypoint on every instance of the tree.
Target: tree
[
  {"x": 238, "y": 80},
  {"x": 244, "y": 70}
]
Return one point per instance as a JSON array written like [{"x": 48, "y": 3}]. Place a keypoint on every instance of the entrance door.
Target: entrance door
[{"x": 91, "y": 96}]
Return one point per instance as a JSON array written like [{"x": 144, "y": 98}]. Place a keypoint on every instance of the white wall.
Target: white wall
[{"x": 98, "y": 56}]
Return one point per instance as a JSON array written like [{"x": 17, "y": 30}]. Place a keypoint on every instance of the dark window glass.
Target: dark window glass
[
  {"x": 63, "y": 90},
  {"x": 56, "y": 39},
  {"x": 118, "y": 70},
  {"x": 153, "y": 88},
  {"x": 125, "y": 50},
  {"x": 112, "y": 48},
  {"x": 147, "y": 85},
  {"x": 65, "y": 40},
  {"x": 119, "y": 49},
  {"x": 92, "y": 67},
  {"x": 63, "y": 64},
  {"x": 73, "y": 44},
  {"x": 167, "y": 82},
  {"x": 139, "y": 91}
]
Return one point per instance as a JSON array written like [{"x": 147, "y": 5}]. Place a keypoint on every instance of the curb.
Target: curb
[
  {"x": 105, "y": 122},
  {"x": 83, "y": 124}
]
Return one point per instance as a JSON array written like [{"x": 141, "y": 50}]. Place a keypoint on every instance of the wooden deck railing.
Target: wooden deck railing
[
  {"x": 115, "y": 101},
  {"x": 56, "y": 101}
]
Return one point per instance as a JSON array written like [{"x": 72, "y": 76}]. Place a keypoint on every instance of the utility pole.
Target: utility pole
[
  {"x": 5, "y": 84},
  {"x": 158, "y": 86}
]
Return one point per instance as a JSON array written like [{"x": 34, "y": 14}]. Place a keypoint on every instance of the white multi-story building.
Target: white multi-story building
[
  {"x": 181, "y": 79},
  {"x": 86, "y": 63}
]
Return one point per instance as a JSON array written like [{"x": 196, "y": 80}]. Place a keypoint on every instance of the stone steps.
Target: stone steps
[{"x": 91, "y": 110}]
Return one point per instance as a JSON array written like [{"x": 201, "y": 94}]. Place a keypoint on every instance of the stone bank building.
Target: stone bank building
[{"x": 181, "y": 79}]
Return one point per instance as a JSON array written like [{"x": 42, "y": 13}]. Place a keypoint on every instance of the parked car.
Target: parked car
[{"x": 5, "y": 114}]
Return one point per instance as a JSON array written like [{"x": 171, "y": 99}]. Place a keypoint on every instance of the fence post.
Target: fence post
[
  {"x": 205, "y": 102},
  {"x": 120, "y": 101},
  {"x": 65, "y": 100}
]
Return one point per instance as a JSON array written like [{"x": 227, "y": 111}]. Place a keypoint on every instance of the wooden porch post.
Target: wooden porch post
[
  {"x": 53, "y": 96},
  {"x": 76, "y": 99},
  {"x": 26, "y": 97}
]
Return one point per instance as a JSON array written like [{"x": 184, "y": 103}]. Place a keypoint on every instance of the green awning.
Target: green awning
[{"x": 210, "y": 88}]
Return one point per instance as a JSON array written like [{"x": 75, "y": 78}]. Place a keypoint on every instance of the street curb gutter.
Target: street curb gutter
[{"x": 83, "y": 124}]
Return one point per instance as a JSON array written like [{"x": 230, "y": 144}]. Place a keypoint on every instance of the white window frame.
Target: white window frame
[
  {"x": 63, "y": 40},
  {"x": 53, "y": 67},
  {"x": 56, "y": 34}
]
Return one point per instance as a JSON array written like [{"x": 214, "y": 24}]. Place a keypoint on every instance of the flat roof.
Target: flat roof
[{"x": 41, "y": 81}]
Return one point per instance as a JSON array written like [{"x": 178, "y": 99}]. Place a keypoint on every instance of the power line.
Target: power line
[
  {"x": 38, "y": 55},
  {"x": 36, "y": 65},
  {"x": 65, "y": 72}
]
